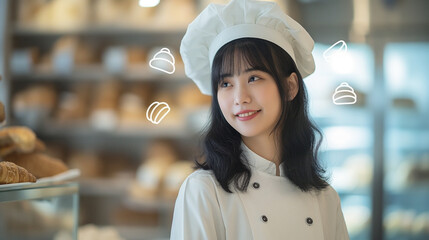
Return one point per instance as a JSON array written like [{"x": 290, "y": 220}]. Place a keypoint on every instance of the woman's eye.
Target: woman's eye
[
  {"x": 224, "y": 84},
  {"x": 253, "y": 78}
]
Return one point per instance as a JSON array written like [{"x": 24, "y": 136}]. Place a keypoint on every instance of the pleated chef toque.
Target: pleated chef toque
[{"x": 219, "y": 24}]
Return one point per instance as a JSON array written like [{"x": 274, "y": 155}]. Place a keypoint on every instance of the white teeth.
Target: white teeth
[{"x": 246, "y": 114}]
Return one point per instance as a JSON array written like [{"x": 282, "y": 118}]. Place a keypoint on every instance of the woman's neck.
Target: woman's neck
[{"x": 265, "y": 147}]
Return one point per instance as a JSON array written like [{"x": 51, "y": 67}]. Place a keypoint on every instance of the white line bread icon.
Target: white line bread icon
[
  {"x": 344, "y": 94},
  {"x": 163, "y": 108},
  {"x": 163, "y": 61},
  {"x": 331, "y": 53}
]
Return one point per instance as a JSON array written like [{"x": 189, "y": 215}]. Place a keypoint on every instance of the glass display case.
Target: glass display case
[
  {"x": 376, "y": 150},
  {"x": 406, "y": 201},
  {"x": 39, "y": 211},
  {"x": 347, "y": 127}
]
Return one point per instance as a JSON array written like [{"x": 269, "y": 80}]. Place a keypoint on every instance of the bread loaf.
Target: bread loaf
[
  {"x": 11, "y": 173},
  {"x": 39, "y": 164},
  {"x": 7, "y": 149},
  {"x": 23, "y": 138}
]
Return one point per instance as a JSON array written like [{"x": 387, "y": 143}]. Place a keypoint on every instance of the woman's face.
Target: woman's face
[{"x": 253, "y": 93}]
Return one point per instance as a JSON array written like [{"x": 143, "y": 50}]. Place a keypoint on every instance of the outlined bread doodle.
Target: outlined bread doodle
[
  {"x": 12, "y": 173},
  {"x": 16, "y": 139}
]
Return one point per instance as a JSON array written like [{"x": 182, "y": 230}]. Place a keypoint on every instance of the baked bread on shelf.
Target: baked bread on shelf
[
  {"x": 12, "y": 173},
  {"x": 149, "y": 177},
  {"x": 174, "y": 177},
  {"x": 16, "y": 139},
  {"x": 33, "y": 105},
  {"x": 39, "y": 164},
  {"x": 88, "y": 162},
  {"x": 10, "y": 149},
  {"x": 73, "y": 104},
  {"x": 39, "y": 146}
]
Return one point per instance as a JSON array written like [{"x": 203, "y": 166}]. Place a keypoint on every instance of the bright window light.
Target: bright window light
[
  {"x": 343, "y": 64},
  {"x": 148, "y": 3}
]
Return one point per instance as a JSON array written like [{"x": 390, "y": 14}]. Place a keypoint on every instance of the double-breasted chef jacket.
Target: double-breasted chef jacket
[{"x": 272, "y": 208}]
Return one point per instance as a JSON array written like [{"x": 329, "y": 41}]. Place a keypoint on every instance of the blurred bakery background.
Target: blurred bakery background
[{"x": 78, "y": 74}]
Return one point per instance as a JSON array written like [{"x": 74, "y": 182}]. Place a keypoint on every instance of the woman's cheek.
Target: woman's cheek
[
  {"x": 221, "y": 101},
  {"x": 225, "y": 108},
  {"x": 225, "y": 112}
]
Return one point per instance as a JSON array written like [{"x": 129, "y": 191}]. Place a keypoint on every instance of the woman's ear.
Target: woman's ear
[{"x": 292, "y": 82}]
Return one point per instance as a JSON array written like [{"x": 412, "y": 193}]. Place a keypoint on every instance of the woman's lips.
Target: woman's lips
[{"x": 248, "y": 116}]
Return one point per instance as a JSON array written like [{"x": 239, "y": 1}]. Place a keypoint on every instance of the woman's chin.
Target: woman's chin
[{"x": 248, "y": 133}]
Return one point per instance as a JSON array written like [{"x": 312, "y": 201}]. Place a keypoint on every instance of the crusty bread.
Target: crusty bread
[
  {"x": 39, "y": 146},
  {"x": 9, "y": 149},
  {"x": 39, "y": 164},
  {"x": 22, "y": 137},
  {"x": 12, "y": 173}
]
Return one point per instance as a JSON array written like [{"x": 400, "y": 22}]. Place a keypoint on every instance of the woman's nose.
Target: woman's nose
[{"x": 241, "y": 95}]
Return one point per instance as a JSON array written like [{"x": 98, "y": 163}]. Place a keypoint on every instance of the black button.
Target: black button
[
  {"x": 309, "y": 221},
  {"x": 256, "y": 185},
  {"x": 264, "y": 218}
]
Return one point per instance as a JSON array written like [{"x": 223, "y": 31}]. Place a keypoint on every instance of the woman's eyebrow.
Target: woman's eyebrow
[{"x": 224, "y": 75}]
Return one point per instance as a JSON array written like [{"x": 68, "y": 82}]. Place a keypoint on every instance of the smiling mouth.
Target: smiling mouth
[{"x": 247, "y": 114}]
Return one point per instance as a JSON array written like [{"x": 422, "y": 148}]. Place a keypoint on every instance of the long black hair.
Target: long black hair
[{"x": 221, "y": 150}]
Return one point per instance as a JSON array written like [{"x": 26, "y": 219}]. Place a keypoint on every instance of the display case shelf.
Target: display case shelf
[
  {"x": 30, "y": 191},
  {"x": 106, "y": 187},
  {"x": 143, "y": 233},
  {"x": 97, "y": 30},
  {"x": 408, "y": 139},
  {"x": 85, "y": 131},
  {"x": 408, "y": 119},
  {"x": 96, "y": 72},
  {"x": 340, "y": 115},
  {"x": 114, "y": 187},
  {"x": 359, "y": 192},
  {"x": 410, "y": 190},
  {"x": 149, "y": 204}
]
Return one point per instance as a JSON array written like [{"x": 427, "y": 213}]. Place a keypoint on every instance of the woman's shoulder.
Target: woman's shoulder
[
  {"x": 328, "y": 195},
  {"x": 201, "y": 178},
  {"x": 201, "y": 174}
]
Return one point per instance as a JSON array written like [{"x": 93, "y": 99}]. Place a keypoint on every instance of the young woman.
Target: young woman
[{"x": 260, "y": 177}]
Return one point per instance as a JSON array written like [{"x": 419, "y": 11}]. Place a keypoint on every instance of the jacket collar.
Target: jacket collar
[{"x": 259, "y": 163}]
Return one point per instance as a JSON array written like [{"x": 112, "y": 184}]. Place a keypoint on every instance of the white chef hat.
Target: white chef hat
[{"x": 219, "y": 24}]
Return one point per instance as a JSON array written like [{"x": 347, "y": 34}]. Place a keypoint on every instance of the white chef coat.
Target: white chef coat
[{"x": 272, "y": 208}]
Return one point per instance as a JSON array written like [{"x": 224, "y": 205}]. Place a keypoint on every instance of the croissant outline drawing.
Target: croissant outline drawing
[{"x": 158, "y": 117}]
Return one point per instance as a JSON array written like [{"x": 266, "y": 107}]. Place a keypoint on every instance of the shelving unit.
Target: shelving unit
[
  {"x": 407, "y": 146},
  {"x": 139, "y": 73},
  {"x": 108, "y": 195},
  {"x": 387, "y": 134}
]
